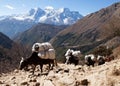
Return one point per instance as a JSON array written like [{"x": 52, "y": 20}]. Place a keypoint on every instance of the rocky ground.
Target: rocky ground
[{"x": 66, "y": 75}]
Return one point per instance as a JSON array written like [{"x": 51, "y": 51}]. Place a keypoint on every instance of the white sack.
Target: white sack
[
  {"x": 42, "y": 47},
  {"x": 50, "y": 54},
  {"x": 45, "y": 50}
]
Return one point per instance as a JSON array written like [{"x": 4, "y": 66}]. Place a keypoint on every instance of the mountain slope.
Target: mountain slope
[
  {"x": 91, "y": 31},
  {"x": 5, "y": 41},
  {"x": 39, "y": 33},
  {"x": 10, "y": 53},
  {"x": 6, "y": 53},
  {"x": 116, "y": 52},
  {"x": 5, "y": 44}
]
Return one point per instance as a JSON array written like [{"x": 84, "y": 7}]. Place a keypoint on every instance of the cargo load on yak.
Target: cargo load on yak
[{"x": 45, "y": 50}]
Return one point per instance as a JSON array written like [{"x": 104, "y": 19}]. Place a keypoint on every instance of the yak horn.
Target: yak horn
[{"x": 22, "y": 58}]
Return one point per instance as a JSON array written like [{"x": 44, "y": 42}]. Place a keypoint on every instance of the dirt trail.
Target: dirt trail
[{"x": 67, "y": 75}]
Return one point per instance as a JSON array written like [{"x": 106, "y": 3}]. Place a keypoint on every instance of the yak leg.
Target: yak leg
[
  {"x": 55, "y": 62},
  {"x": 51, "y": 64},
  {"x": 49, "y": 67},
  {"x": 33, "y": 67},
  {"x": 41, "y": 66},
  {"x": 93, "y": 63},
  {"x": 67, "y": 59}
]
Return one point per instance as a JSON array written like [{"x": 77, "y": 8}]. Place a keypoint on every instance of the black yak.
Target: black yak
[{"x": 35, "y": 60}]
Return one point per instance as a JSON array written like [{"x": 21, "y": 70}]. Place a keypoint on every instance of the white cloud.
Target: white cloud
[
  {"x": 9, "y": 7},
  {"x": 49, "y": 7}
]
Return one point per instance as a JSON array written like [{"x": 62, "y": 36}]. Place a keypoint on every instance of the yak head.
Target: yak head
[{"x": 23, "y": 63}]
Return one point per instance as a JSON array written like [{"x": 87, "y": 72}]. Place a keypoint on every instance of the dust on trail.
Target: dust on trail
[{"x": 67, "y": 75}]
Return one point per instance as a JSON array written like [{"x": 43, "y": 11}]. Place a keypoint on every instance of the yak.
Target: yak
[{"x": 35, "y": 60}]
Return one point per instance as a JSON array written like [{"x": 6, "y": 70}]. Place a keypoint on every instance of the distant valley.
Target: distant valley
[{"x": 39, "y": 33}]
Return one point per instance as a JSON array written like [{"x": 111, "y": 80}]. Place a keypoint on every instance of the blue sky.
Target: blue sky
[{"x": 8, "y": 7}]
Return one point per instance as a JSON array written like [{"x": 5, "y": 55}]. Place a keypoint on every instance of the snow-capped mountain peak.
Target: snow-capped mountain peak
[
  {"x": 12, "y": 24},
  {"x": 49, "y": 15}
]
